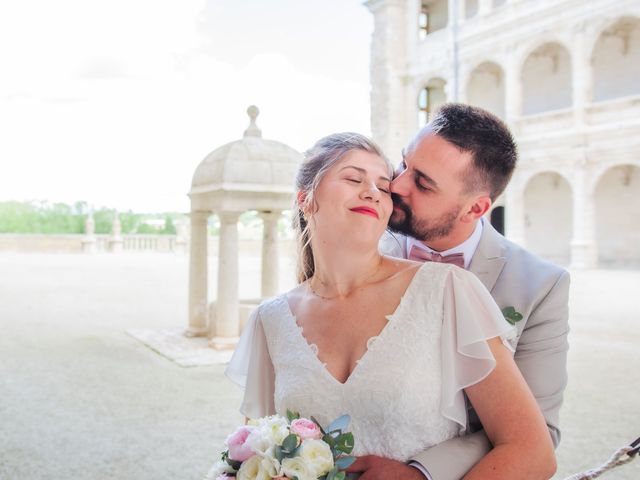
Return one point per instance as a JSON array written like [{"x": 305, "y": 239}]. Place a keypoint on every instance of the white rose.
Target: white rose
[
  {"x": 270, "y": 466},
  {"x": 218, "y": 469},
  {"x": 317, "y": 455},
  {"x": 297, "y": 467},
  {"x": 250, "y": 469},
  {"x": 259, "y": 442},
  {"x": 276, "y": 429}
]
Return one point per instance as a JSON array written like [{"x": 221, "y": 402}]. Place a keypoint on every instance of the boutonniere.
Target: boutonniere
[{"x": 511, "y": 315}]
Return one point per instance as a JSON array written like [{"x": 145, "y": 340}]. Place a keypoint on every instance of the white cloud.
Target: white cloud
[{"x": 116, "y": 102}]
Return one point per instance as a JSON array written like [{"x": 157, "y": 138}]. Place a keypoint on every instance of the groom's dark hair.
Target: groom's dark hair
[{"x": 486, "y": 137}]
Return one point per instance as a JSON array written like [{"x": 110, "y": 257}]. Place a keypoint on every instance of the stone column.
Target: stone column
[
  {"x": 582, "y": 76},
  {"x": 464, "y": 74},
  {"x": 198, "y": 273},
  {"x": 115, "y": 242},
  {"x": 182, "y": 233},
  {"x": 584, "y": 253},
  {"x": 485, "y": 7},
  {"x": 459, "y": 8},
  {"x": 269, "y": 253},
  {"x": 89, "y": 239},
  {"x": 390, "y": 97},
  {"x": 514, "y": 211},
  {"x": 513, "y": 92},
  {"x": 225, "y": 330}
]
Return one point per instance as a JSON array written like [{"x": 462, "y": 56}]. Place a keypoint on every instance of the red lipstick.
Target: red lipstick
[{"x": 366, "y": 211}]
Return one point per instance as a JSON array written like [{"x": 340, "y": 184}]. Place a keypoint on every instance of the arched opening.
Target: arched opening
[
  {"x": 497, "y": 219},
  {"x": 617, "y": 200},
  {"x": 548, "y": 217},
  {"x": 434, "y": 16},
  {"x": 546, "y": 79},
  {"x": 430, "y": 99},
  {"x": 616, "y": 61},
  {"x": 471, "y": 8},
  {"x": 486, "y": 88}
]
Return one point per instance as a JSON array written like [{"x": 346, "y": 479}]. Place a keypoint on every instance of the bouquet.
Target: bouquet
[{"x": 286, "y": 448}]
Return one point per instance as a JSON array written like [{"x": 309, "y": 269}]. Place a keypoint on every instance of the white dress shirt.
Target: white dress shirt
[{"x": 467, "y": 248}]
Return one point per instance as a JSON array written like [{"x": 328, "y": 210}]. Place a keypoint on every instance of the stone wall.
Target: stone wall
[{"x": 564, "y": 76}]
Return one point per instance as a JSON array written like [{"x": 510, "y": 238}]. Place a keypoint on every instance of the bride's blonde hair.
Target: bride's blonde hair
[{"x": 317, "y": 161}]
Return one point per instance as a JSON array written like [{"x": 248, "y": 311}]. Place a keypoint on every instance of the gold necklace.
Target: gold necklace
[{"x": 364, "y": 282}]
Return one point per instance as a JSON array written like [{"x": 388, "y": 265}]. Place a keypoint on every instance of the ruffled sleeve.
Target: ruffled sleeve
[
  {"x": 471, "y": 317},
  {"x": 251, "y": 368}
]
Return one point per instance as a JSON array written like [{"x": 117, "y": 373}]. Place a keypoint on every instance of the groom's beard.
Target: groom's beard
[{"x": 421, "y": 229}]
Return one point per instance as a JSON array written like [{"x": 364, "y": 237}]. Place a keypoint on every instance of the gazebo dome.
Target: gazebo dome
[
  {"x": 251, "y": 164},
  {"x": 248, "y": 174}
]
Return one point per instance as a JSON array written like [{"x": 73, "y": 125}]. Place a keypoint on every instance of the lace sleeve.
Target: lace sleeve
[
  {"x": 471, "y": 317},
  {"x": 251, "y": 368}
]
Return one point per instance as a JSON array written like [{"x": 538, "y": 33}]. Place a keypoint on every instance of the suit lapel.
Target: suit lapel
[{"x": 490, "y": 256}]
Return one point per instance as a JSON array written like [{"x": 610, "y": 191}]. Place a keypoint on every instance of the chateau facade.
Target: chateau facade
[{"x": 563, "y": 74}]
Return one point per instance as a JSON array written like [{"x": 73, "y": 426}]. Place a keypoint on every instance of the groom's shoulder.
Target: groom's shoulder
[
  {"x": 527, "y": 265},
  {"x": 393, "y": 244}
]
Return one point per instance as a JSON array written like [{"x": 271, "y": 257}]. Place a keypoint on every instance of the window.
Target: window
[
  {"x": 424, "y": 21},
  {"x": 433, "y": 16},
  {"x": 431, "y": 97},
  {"x": 424, "y": 107}
]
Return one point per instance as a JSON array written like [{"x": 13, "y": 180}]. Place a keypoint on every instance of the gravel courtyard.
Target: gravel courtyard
[{"x": 81, "y": 399}]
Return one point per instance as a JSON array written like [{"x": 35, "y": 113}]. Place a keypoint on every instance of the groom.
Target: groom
[{"x": 451, "y": 173}]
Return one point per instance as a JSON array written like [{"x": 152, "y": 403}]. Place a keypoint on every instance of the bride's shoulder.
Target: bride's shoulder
[
  {"x": 409, "y": 271},
  {"x": 401, "y": 266},
  {"x": 272, "y": 305},
  {"x": 400, "y": 274}
]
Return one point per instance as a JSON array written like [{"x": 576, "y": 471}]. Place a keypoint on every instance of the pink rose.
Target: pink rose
[
  {"x": 306, "y": 429},
  {"x": 239, "y": 450}
]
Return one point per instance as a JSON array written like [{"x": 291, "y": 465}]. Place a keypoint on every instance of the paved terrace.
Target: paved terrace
[{"x": 81, "y": 399}]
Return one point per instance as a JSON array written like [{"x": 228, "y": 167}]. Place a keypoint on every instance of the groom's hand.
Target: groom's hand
[{"x": 372, "y": 467}]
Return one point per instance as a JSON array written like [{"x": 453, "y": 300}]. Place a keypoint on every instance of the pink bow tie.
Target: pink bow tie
[{"x": 421, "y": 255}]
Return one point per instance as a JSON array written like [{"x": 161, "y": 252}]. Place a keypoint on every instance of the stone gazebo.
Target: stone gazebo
[{"x": 248, "y": 174}]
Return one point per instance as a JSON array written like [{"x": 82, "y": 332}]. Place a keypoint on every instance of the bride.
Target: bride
[{"x": 393, "y": 343}]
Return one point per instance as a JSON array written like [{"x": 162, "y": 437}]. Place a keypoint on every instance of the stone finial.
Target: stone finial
[{"x": 253, "y": 130}]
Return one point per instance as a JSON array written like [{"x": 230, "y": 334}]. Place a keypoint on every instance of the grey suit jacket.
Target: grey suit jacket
[{"x": 539, "y": 290}]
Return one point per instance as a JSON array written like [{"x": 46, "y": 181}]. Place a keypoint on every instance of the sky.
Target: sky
[{"x": 115, "y": 102}]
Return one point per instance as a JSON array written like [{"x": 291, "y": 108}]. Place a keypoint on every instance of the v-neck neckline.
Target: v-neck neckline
[{"x": 376, "y": 338}]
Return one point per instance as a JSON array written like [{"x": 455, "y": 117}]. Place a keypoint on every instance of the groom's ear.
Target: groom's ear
[{"x": 476, "y": 209}]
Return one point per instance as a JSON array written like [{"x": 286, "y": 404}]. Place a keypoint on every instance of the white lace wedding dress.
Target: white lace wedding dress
[{"x": 406, "y": 392}]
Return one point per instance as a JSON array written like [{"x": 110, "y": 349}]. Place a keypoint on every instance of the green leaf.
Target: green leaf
[
  {"x": 329, "y": 440},
  {"x": 340, "y": 476},
  {"x": 332, "y": 474},
  {"x": 291, "y": 416},
  {"x": 345, "y": 462},
  {"x": 511, "y": 315},
  {"x": 278, "y": 453},
  {"x": 339, "y": 424},
  {"x": 290, "y": 443},
  {"x": 345, "y": 442},
  {"x": 233, "y": 464}
]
